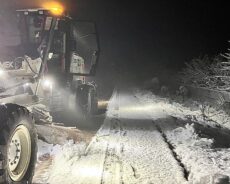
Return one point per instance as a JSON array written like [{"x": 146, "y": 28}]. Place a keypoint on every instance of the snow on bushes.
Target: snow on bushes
[{"x": 208, "y": 72}]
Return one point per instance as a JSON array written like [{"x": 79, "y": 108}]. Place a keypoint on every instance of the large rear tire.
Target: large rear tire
[{"x": 18, "y": 145}]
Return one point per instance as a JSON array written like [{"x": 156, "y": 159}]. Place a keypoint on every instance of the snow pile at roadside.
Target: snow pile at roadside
[
  {"x": 204, "y": 162},
  {"x": 44, "y": 159},
  {"x": 192, "y": 111},
  {"x": 65, "y": 161},
  {"x": 188, "y": 136},
  {"x": 47, "y": 149},
  {"x": 56, "y": 162},
  {"x": 205, "y": 165}
]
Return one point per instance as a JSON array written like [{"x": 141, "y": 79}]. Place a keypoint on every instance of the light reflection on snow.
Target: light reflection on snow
[
  {"x": 139, "y": 109},
  {"x": 89, "y": 172},
  {"x": 144, "y": 111},
  {"x": 129, "y": 108}
]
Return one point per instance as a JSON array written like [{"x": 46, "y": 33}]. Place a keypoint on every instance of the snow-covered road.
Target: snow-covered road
[
  {"x": 140, "y": 143},
  {"x": 139, "y": 149}
]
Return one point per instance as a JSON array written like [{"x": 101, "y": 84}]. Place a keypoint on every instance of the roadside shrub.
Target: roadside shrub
[{"x": 208, "y": 72}]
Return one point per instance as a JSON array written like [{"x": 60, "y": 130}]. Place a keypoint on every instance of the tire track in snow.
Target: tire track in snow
[
  {"x": 196, "y": 151},
  {"x": 112, "y": 172},
  {"x": 171, "y": 147},
  {"x": 137, "y": 152}
]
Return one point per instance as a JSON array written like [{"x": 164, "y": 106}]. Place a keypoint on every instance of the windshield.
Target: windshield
[
  {"x": 9, "y": 33},
  {"x": 85, "y": 44}
]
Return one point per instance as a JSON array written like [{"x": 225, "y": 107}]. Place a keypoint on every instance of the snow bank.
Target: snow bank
[
  {"x": 190, "y": 110},
  {"x": 57, "y": 162},
  {"x": 45, "y": 148},
  {"x": 204, "y": 164},
  {"x": 188, "y": 136},
  {"x": 65, "y": 162},
  {"x": 45, "y": 154}
]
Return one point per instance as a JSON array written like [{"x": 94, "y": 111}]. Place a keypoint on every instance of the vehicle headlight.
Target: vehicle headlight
[
  {"x": 26, "y": 85},
  {"x": 47, "y": 84},
  {"x": 2, "y": 72}
]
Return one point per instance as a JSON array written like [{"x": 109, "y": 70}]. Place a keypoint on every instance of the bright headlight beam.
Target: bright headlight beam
[
  {"x": 47, "y": 83},
  {"x": 1, "y": 72}
]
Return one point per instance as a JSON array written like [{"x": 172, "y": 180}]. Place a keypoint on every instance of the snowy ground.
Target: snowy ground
[
  {"x": 203, "y": 150},
  {"x": 189, "y": 110},
  {"x": 144, "y": 139}
]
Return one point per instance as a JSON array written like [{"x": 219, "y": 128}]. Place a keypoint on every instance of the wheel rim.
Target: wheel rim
[{"x": 19, "y": 153}]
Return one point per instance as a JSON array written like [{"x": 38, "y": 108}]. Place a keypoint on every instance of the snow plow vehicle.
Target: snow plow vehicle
[{"x": 47, "y": 61}]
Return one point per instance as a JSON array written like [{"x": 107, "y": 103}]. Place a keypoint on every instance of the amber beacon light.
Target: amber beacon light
[{"x": 55, "y": 8}]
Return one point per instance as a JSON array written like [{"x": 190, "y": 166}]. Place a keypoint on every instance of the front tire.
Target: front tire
[
  {"x": 86, "y": 99},
  {"x": 18, "y": 145},
  {"x": 92, "y": 102}
]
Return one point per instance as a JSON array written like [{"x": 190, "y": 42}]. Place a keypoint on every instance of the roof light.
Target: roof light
[{"x": 55, "y": 8}]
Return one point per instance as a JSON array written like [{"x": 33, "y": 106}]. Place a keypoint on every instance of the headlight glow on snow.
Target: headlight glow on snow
[
  {"x": 90, "y": 171},
  {"x": 137, "y": 108},
  {"x": 127, "y": 109}
]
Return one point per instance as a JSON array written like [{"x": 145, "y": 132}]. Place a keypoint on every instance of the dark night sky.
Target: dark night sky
[
  {"x": 150, "y": 33},
  {"x": 149, "y": 36},
  {"x": 142, "y": 34}
]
